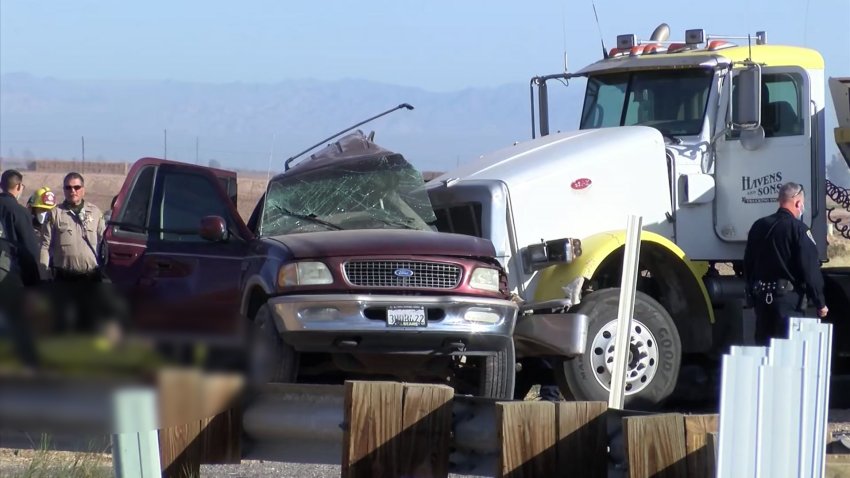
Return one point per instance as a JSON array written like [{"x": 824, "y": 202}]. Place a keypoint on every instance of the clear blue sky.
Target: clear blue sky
[{"x": 435, "y": 44}]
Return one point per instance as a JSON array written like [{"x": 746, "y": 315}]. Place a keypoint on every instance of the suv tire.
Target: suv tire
[
  {"x": 498, "y": 373},
  {"x": 270, "y": 358}
]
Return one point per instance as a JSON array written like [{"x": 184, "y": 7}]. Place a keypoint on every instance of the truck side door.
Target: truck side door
[{"x": 748, "y": 180}]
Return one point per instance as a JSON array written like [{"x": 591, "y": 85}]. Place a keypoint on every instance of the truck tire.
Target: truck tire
[
  {"x": 655, "y": 346},
  {"x": 498, "y": 373},
  {"x": 270, "y": 358}
]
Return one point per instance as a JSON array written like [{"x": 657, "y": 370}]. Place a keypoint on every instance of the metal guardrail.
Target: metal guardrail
[{"x": 282, "y": 422}]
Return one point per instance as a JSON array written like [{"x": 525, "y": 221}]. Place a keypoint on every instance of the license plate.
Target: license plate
[{"x": 406, "y": 317}]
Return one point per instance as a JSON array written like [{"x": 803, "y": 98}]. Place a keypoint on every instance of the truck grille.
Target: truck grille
[{"x": 408, "y": 274}]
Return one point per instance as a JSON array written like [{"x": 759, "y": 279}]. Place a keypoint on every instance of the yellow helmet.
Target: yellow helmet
[{"x": 44, "y": 198}]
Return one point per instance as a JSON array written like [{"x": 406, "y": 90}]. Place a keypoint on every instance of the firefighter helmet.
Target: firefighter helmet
[{"x": 44, "y": 198}]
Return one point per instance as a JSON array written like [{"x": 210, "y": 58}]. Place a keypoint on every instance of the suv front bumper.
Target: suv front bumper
[{"x": 357, "y": 323}]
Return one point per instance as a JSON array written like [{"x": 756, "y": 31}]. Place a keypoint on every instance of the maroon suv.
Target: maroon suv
[{"x": 339, "y": 268}]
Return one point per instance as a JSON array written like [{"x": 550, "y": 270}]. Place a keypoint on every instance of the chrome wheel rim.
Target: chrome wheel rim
[{"x": 642, "y": 361}]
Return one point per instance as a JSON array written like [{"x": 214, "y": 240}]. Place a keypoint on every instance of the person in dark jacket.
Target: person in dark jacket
[
  {"x": 781, "y": 267},
  {"x": 19, "y": 252}
]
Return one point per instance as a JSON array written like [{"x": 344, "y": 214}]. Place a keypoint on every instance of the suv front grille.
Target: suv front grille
[{"x": 403, "y": 274}]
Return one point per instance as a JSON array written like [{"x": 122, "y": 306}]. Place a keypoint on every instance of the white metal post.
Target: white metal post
[
  {"x": 628, "y": 287},
  {"x": 135, "y": 441}
]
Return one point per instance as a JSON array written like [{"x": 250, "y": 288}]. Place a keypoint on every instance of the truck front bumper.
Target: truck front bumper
[{"x": 358, "y": 323}]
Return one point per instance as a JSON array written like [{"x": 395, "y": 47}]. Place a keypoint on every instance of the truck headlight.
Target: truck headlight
[
  {"x": 304, "y": 273},
  {"x": 484, "y": 278}
]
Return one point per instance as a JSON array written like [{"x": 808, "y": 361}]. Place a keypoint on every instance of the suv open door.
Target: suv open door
[{"x": 181, "y": 286}]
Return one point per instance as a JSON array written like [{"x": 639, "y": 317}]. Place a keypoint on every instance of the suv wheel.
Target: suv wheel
[
  {"x": 497, "y": 374},
  {"x": 270, "y": 358}
]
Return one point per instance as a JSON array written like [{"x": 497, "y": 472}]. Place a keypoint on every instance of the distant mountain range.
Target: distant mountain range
[{"x": 236, "y": 124}]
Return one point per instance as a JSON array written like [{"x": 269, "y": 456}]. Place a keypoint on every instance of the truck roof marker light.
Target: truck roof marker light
[
  {"x": 616, "y": 52},
  {"x": 677, "y": 47},
  {"x": 653, "y": 48},
  {"x": 636, "y": 50},
  {"x": 715, "y": 45}
]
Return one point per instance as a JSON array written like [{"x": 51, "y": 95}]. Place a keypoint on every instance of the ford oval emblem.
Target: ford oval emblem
[
  {"x": 403, "y": 273},
  {"x": 581, "y": 183}
]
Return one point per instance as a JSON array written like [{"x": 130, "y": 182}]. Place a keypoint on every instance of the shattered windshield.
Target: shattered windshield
[
  {"x": 374, "y": 193},
  {"x": 672, "y": 101}
]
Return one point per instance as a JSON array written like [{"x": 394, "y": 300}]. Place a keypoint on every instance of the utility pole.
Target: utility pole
[
  {"x": 83, "y": 141},
  {"x": 165, "y": 144},
  {"x": 196, "y": 150}
]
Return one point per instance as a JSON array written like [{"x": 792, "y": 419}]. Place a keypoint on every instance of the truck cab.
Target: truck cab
[{"x": 696, "y": 136}]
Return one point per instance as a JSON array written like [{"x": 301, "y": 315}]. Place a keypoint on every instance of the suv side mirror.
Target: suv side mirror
[
  {"x": 213, "y": 229},
  {"x": 747, "y": 116},
  {"x": 545, "y": 254}
]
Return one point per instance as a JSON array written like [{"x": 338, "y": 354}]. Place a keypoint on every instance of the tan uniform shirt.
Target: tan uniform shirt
[{"x": 62, "y": 238}]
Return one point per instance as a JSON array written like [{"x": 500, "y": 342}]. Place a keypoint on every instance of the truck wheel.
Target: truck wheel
[
  {"x": 270, "y": 358},
  {"x": 497, "y": 374},
  {"x": 654, "y": 358}
]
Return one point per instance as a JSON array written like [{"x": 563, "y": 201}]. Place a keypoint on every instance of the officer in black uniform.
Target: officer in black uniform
[
  {"x": 781, "y": 267},
  {"x": 18, "y": 263}
]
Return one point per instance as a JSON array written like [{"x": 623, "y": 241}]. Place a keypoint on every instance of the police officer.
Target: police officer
[
  {"x": 781, "y": 266},
  {"x": 70, "y": 245},
  {"x": 18, "y": 263}
]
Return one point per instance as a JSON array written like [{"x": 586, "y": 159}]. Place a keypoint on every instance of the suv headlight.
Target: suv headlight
[
  {"x": 484, "y": 278},
  {"x": 304, "y": 273}
]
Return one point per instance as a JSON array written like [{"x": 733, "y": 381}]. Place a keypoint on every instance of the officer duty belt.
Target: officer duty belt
[{"x": 768, "y": 289}]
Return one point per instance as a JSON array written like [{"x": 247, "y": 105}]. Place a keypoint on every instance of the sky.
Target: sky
[{"x": 437, "y": 45}]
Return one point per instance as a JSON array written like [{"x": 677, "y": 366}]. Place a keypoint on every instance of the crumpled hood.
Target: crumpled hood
[{"x": 373, "y": 242}]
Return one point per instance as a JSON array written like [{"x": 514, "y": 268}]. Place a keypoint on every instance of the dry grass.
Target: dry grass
[
  {"x": 101, "y": 188},
  {"x": 46, "y": 463}
]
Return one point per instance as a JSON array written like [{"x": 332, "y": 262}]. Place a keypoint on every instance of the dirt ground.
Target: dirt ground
[{"x": 101, "y": 188}]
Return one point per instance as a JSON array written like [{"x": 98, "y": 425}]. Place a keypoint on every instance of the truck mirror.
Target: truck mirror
[
  {"x": 547, "y": 253},
  {"x": 746, "y": 115},
  {"x": 213, "y": 229}
]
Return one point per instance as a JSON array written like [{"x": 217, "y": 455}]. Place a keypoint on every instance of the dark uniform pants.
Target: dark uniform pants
[
  {"x": 82, "y": 302},
  {"x": 11, "y": 307},
  {"x": 772, "y": 319}
]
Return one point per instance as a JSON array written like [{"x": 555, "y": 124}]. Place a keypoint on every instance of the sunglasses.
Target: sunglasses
[
  {"x": 798, "y": 192},
  {"x": 75, "y": 187}
]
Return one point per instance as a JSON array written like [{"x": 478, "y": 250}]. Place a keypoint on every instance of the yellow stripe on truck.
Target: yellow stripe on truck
[{"x": 594, "y": 251}]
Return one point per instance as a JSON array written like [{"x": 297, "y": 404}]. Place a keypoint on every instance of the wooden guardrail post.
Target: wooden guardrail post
[
  {"x": 426, "y": 431},
  {"x": 392, "y": 429},
  {"x": 179, "y": 397},
  {"x": 200, "y": 421},
  {"x": 655, "y": 446},
  {"x": 552, "y": 439},
  {"x": 582, "y": 439},
  {"x": 528, "y": 433},
  {"x": 699, "y": 444},
  {"x": 372, "y": 421}
]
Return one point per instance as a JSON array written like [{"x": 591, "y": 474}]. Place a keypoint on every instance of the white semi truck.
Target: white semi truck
[{"x": 697, "y": 137}]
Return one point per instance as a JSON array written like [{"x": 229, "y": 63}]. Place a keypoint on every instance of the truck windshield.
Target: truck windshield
[
  {"x": 376, "y": 193},
  {"x": 672, "y": 101}
]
